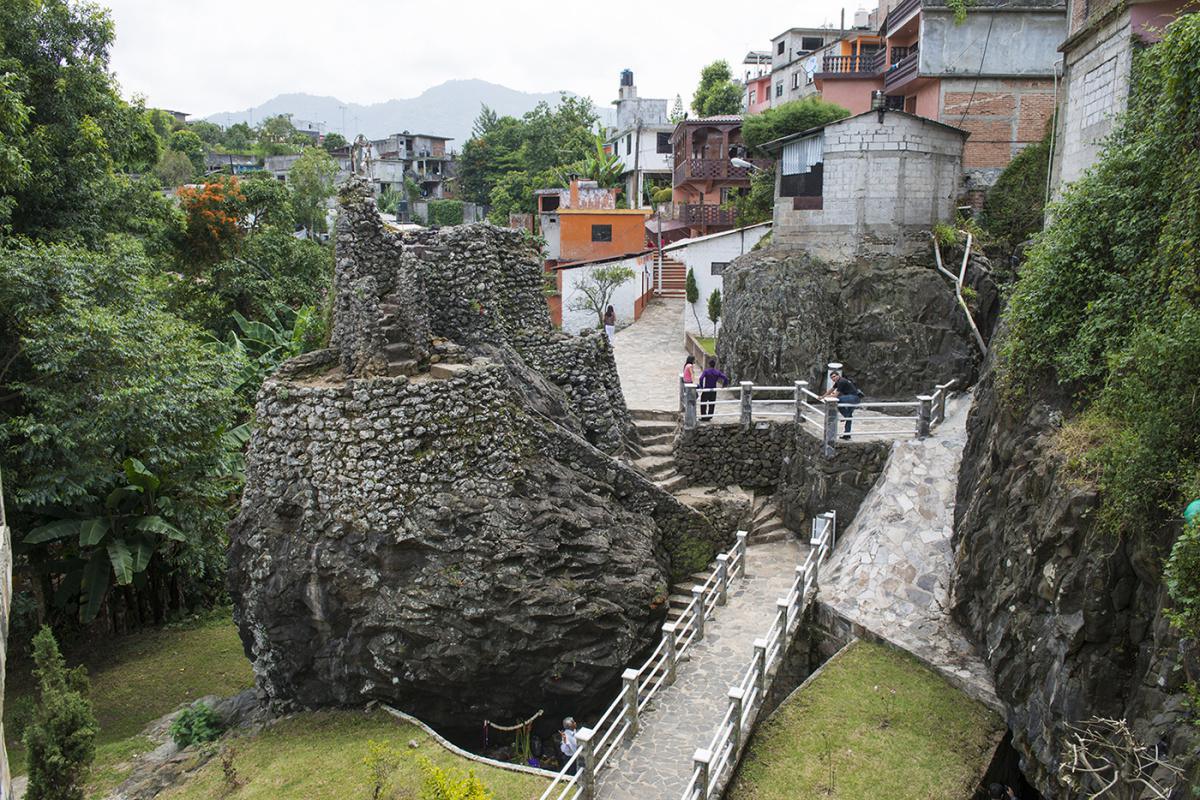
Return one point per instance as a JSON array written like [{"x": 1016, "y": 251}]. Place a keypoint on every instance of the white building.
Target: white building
[
  {"x": 642, "y": 141},
  {"x": 707, "y": 257}
]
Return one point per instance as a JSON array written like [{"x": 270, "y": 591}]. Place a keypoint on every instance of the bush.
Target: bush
[
  {"x": 381, "y": 761},
  {"x": 442, "y": 784},
  {"x": 445, "y": 212},
  {"x": 791, "y": 117},
  {"x": 61, "y": 736},
  {"x": 1182, "y": 576},
  {"x": 195, "y": 725},
  {"x": 1015, "y": 206},
  {"x": 663, "y": 195}
]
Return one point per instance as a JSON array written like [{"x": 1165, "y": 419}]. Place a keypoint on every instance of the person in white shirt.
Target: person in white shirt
[{"x": 569, "y": 745}]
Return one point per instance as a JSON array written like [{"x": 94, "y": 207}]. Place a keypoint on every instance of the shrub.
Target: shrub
[
  {"x": 445, "y": 212},
  {"x": 663, "y": 195},
  {"x": 1015, "y": 206},
  {"x": 714, "y": 307},
  {"x": 61, "y": 736},
  {"x": 195, "y": 725},
  {"x": 791, "y": 117},
  {"x": 442, "y": 784},
  {"x": 381, "y": 761}
]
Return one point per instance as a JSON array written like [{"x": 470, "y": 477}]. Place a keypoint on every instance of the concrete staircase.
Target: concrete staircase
[
  {"x": 656, "y": 432},
  {"x": 766, "y": 523},
  {"x": 674, "y": 278}
]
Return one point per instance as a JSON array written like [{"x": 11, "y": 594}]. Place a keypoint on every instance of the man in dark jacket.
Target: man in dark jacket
[
  {"x": 708, "y": 382},
  {"x": 848, "y": 397}
]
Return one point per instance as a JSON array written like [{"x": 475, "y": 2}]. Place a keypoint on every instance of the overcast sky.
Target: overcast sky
[{"x": 226, "y": 55}]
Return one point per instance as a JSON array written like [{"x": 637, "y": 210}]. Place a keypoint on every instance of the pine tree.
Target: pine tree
[
  {"x": 61, "y": 737},
  {"x": 677, "y": 113}
]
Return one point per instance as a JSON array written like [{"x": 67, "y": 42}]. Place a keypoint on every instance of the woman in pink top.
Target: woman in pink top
[{"x": 689, "y": 370}]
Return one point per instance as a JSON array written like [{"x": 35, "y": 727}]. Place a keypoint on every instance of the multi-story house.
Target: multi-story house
[
  {"x": 705, "y": 177},
  {"x": 791, "y": 53},
  {"x": 421, "y": 157},
  {"x": 641, "y": 139},
  {"x": 991, "y": 74},
  {"x": 1097, "y": 58},
  {"x": 756, "y": 77}
]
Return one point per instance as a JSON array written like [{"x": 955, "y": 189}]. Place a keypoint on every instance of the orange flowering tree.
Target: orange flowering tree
[{"x": 214, "y": 213}]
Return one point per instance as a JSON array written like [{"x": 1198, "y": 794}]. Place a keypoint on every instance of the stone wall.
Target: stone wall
[
  {"x": 720, "y": 455},
  {"x": 432, "y": 515},
  {"x": 893, "y": 323},
  {"x": 1070, "y": 621}
]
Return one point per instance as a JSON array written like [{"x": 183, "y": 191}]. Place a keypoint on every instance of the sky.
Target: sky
[{"x": 227, "y": 55}]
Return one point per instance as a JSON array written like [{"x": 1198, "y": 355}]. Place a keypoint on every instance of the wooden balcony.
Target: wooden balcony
[
  {"x": 706, "y": 216},
  {"x": 902, "y": 70},
  {"x": 900, "y": 15},
  {"x": 714, "y": 169}
]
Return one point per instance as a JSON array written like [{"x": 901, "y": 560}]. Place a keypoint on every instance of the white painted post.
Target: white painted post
[
  {"x": 689, "y": 406},
  {"x": 747, "y": 398},
  {"x": 736, "y": 699},
  {"x": 939, "y": 410},
  {"x": 702, "y": 760},
  {"x": 760, "y": 659},
  {"x": 924, "y": 415},
  {"x": 682, "y": 393},
  {"x": 741, "y": 546},
  {"x": 832, "y": 517},
  {"x": 831, "y": 425},
  {"x": 698, "y": 597},
  {"x": 668, "y": 631},
  {"x": 630, "y": 679},
  {"x": 586, "y": 769},
  {"x": 782, "y": 604},
  {"x": 800, "y": 386},
  {"x": 722, "y": 579},
  {"x": 814, "y": 538},
  {"x": 831, "y": 368}
]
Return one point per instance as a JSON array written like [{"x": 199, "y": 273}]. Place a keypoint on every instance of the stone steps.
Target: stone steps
[
  {"x": 654, "y": 428},
  {"x": 646, "y": 414},
  {"x": 656, "y": 466},
  {"x": 674, "y": 484},
  {"x": 658, "y": 439}
]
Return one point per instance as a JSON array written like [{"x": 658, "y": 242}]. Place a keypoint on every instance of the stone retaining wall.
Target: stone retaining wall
[{"x": 720, "y": 455}]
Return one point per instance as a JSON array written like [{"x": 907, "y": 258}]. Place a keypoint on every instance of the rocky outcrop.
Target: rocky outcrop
[
  {"x": 894, "y": 323},
  {"x": 811, "y": 483},
  {"x": 432, "y": 514},
  {"x": 1070, "y": 621}
]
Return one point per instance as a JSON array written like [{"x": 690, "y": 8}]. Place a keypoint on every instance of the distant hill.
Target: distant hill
[{"x": 448, "y": 109}]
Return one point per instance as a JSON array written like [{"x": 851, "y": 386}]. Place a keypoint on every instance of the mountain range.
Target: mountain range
[{"x": 448, "y": 109}]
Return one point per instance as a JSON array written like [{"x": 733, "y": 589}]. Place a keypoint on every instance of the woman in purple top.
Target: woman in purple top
[{"x": 708, "y": 382}]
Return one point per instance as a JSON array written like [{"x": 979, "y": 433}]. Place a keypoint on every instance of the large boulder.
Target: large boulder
[
  {"x": 894, "y": 323},
  {"x": 433, "y": 514}
]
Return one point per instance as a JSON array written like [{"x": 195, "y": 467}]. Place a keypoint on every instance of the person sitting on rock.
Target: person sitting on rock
[
  {"x": 848, "y": 397},
  {"x": 568, "y": 746},
  {"x": 708, "y": 385}
]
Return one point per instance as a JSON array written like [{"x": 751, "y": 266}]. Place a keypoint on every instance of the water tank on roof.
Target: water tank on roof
[
  {"x": 627, "y": 77},
  {"x": 861, "y": 18}
]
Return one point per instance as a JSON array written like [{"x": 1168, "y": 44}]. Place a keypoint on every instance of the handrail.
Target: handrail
[
  {"x": 619, "y": 720},
  {"x": 749, "y": 693}
]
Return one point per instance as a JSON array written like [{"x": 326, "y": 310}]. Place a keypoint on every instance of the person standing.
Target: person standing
[
  {"x": 689, "y": 370},
  {"x": 848, "y": 397},
  {"x": 610, "y": 324},
  {"x": 569, "y": 745},
  {"x": 708, "y": 385}
]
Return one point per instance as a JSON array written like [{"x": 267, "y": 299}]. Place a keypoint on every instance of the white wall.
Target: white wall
[
  {"x": 623, "y": 300},
  {"x": 699, "y": 255}
]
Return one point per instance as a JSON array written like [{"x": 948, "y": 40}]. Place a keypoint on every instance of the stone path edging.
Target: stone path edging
[{"x": 458, "y": 751}]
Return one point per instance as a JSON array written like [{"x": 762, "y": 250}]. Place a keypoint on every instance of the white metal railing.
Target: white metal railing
[
  {"x": 712, "y": 766},
  {"x": 598, "y": 743},
  {"x": 887, "y": 419}
]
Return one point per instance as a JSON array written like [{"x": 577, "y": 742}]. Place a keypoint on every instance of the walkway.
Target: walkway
[
  {"x": 650, "y": 357},
  {"x": 892, "y": 568},
  {"x": 658, "y": 762}
]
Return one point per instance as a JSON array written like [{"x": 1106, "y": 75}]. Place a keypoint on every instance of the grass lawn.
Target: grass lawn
[
  {"x": 709, "y": 343},
  {"x": 935, "y": 744},
  {"x": 319, "y": 756},
  {"x": 138, "y": 678}
]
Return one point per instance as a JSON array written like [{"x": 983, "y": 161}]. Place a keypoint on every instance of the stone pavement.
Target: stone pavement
[
  {"x": 892, "y": 568},
  {"x": 657, "y": 764},
  {"x": 650, "y": 357}
]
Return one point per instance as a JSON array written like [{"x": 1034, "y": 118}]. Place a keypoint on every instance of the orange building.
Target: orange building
[{"x": 585, "y": 234}]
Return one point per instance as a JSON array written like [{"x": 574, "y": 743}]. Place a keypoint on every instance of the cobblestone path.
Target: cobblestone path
[
  {"x": 891, "y": 570},
  {"x": 657, "y": 764},
  {"x": 650, "y": 357}
]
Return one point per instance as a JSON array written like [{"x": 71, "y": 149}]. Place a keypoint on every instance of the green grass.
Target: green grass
[
  {"x": 708, "y": 343},
  {"x": 319, "y": 756},
  {"x": 934, "y": 743},
  {"x": 138, "y": 678}
]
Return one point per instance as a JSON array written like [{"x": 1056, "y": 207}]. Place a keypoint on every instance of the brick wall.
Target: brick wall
[{"x": 1002, "y": 115}]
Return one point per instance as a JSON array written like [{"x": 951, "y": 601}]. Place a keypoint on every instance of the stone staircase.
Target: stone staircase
[
  {"x": 766, "y": 523},
  {"x": 656, "y": 432},
  {"x": 674, "y": 278}
]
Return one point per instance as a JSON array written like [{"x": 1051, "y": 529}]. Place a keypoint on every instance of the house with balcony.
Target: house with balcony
[
  {"x": 867, "y": 186},
  {"x": 641, "y": 139},
  {"x": 423, "y": 158},
  {"x": 791, "y": 60},
  {"x": 704, "y": 176},
  {"x": 1097, "y": 59},
  {"x": 756, "y": 78},
  {"x": 991, "y": 74}
]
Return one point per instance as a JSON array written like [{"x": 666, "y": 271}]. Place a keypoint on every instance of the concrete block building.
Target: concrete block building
[
  {"x": 641, "y": 139},
  {"x": 866, "y": 186}
]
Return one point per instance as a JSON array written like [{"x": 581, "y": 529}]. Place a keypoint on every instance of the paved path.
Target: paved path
[
  {"x": 650, "y": 357},
  {"x": 891, "y": 570},
  {"x": 657, "y": 765}
]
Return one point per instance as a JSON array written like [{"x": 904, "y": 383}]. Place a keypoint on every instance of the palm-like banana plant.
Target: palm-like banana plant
[
  {"x": 603, "y": 168},
  {"x": 117, "y": 539}
]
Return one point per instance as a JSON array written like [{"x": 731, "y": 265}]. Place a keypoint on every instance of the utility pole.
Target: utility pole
[{"x": 343, "y": 108}]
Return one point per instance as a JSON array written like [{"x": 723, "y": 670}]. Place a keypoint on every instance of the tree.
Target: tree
[
  {"x": 238, "y": 137},
  {"x": 209, "y": 133},
  {"x": 692, "y": 290},
  {"x": 61, "y": 736},
  {"x": 333, "y": 141},
  {"x": 758, "y": 205},
  {"x": 311, "y": 179},
  {"x": 485, "y": 122},
  {"x": 174, "y": 169},
  {"x": 597, "y": 289},
  {"x": 214, "y": 214},
  {"x": 714, "y": 309},
  {"x": 14, "y": 164},
  {"x": 784, "y": 120},
  {"x": 603, "y": 168},
  {"x": 187, "y": 142},
  {"x": 677, "y": 112},
  {"x": 277, "y": 129},
  {"x": 717, "y": 93}
]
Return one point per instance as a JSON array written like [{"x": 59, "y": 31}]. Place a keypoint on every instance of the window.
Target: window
[
  {"x": 628, "y": 144},
  {"x": 779, "y": 49},
  {"x": 602, "y": 233},
  {"x": 796, "y": 80},
  {"x": 779, "y": 89},
  {"x": 717, "y": 267},
  {"x": 752, "y": 98},
  {"x": 664, "y": 141},
  {"x": 810, "y": 43}
]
